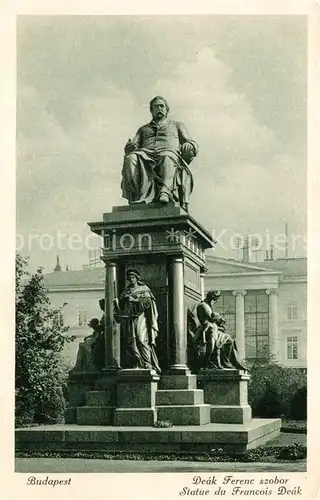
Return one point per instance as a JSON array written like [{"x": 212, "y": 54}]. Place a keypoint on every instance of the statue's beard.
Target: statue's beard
[{"x": 161, "y": 114}]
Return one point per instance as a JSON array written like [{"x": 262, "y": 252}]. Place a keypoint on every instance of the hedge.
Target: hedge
[{"x": 278, "y": 391}]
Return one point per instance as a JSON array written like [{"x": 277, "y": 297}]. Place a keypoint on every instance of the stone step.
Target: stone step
[
  {"x": 231, "y": 414},
  {"x": 94, "y": 415},
  {"x": 185, "y": 414},
  {"x": 178, "y": 382},
  {"x": 135, "y": 417},
  {"x": 97, "y": 398},
  {"x": 231, "y": 437},
  {"x": 179, "y": 397}
]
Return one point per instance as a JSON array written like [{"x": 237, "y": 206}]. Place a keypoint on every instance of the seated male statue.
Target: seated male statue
[{"x": 156, "y": 160}]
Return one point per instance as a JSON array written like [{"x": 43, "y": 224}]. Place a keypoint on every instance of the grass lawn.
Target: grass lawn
[{"x": 294, "y": 426}]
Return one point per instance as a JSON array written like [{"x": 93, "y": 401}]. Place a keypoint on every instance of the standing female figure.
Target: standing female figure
[{"x": 137, "y": 313}]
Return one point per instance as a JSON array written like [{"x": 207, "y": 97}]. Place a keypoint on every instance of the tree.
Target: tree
[{"x": 40, "y": 338}]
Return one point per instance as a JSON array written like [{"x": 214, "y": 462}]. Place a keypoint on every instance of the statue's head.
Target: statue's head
[
  {"x": 159, "y": 107},
  {"x": 102, "y": 304},
  {"x": 94, "y": 323},
  {"x": 213, "y": 295},
  {"x": 133, "y": 276}
]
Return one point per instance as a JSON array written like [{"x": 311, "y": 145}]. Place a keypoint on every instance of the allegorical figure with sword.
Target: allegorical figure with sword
[
  {"x": 136, "y": 311},
  {"x": 156, "y": 162}
]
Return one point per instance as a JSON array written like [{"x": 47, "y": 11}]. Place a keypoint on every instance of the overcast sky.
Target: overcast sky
[{"x": 84, "y": 86}]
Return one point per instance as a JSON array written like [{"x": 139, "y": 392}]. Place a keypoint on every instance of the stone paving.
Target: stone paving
[{"x": 74, "y": 465}]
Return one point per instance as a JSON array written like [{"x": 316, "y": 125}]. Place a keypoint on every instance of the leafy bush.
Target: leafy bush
[
  {"x": 295, "y": 451},
  {"x": 299, "y": 404},
  {"x": 40, "y": 338},
  {"x": 277, "y": 391},
  {"x": 270, "y": 405}
]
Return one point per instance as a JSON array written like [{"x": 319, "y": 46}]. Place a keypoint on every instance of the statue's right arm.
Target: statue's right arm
[{"x": 204, "y": 312}]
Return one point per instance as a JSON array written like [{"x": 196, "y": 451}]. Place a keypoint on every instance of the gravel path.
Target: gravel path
[{"x": 73, "y": 465}]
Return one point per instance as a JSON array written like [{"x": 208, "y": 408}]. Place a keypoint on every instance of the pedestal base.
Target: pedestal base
[
  {"x": 78, "y": 384},
  {"x": 227, "y": 393},
  {"x": 187, "y": 381},
  {"x": 135, "y": 417},
  {"x": 228, "y": 437},
  {"x": 87, "y": 405},
  {"x": 136, "y": 391},
  {"x": 94, "y": 415}
]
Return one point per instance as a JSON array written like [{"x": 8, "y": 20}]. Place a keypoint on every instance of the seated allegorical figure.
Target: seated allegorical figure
[
  {"x": 90, "y": 356},
  {"x": 213, "y": 346}
]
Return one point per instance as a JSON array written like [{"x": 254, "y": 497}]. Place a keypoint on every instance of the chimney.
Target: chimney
[
  {"x": 246, "y": 256},
  {"x": 286, "y": 254},
  {"x": 58, "y": 267},
  {"x": 271, "y": 252},
  {"x": 246, "y": 250}
]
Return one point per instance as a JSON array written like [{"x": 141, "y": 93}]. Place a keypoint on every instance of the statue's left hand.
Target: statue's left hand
[
  {"x": 188, "y": 152},
  {"x": 132, "y": 299}
]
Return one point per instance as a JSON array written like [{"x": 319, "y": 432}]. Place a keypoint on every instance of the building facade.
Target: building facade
[{"x": 265, "y": 305}]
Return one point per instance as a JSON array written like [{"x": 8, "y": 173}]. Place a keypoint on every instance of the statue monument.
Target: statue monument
[
  {"x": 133, "y": 372},
  {"x": 155, "y": 302},
  {"x": 157, "y": 159}
]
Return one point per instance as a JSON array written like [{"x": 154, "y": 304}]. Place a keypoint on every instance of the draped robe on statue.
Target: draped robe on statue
[
  {"x": 139, "y": 323},
  {"x": 215, "y": 347},
  {"x": 156, "y": 162}
]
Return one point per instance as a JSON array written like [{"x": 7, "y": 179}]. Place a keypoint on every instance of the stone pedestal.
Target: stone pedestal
[
  {"x": 120, "y": 405},
  {"x": 78, "y": 384},
  {"x": 167, "y": 246},
  {"x": 227, "y": 393},
  {"x": 91, "y": 398},
  {"x": 136, "y": 390}
]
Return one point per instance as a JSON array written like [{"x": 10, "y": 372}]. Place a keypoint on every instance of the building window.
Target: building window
[
  {"x": 60, "y": 320},
  {"x": 292, "y": 347},
  {"x": 292, "y": 311},
  {"x": 256, "y": 314},
  {"x": 226, "y": 306},
  {"x": 82, "y": 317}
]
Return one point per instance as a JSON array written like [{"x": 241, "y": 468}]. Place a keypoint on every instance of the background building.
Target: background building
[{"x": 265, "y": 304}]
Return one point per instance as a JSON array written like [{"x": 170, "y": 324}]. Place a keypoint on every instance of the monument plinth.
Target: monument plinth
[
  {"x": 136, "y": 402},
  {"x": 161, "y": 334},
  {"x": 167, "y": 246},
  {"x": 226, "y": 391}
]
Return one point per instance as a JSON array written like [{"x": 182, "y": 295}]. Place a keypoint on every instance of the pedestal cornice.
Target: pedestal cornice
[{"x": 155, "y": 218}]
